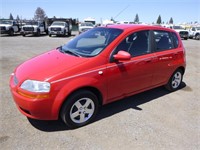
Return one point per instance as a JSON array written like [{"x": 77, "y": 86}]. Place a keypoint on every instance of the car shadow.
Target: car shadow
[
  {"x": 32, "y": 35},
  {"x": 7, "y": 35},
  {"x": 108, "y": 110}
]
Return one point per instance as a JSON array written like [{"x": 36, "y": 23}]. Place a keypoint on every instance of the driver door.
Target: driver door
[{"x": 126, "y": 77}]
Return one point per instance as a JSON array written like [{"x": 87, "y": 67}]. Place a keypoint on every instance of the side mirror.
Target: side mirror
[{"x": 122, "y": 55}]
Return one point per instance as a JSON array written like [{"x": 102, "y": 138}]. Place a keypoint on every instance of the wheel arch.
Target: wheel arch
[
  {"x": 182, "y": 69},
  {"x": 76, "y": 85},
  {"x": 88, "y": 88}
]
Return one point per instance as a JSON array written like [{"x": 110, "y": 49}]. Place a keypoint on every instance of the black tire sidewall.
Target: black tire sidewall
[
  {"x": 169, "y": 84},
  {"x": 11, "y": 32},
  {"x": 65, "y": 111}
]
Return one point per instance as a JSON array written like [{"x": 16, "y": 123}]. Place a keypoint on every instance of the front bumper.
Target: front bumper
[
  {"x": 56, "y": 32},
  {"x": 28, "y": 32},
  {"x": 4, "y": 31},
  {"x": 36, "y": 108}
]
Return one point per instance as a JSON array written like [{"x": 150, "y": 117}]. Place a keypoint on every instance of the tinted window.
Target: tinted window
[
  {"x": 175, "y": 40},
  {"x": 163, "y": 40},
  {"x": 136, "y": 44}
]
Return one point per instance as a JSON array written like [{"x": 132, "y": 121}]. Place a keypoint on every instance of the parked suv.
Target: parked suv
[{"x": 97, "y": 67}]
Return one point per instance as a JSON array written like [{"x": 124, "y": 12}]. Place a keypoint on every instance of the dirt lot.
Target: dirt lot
[{"x": 155, "y": 119}]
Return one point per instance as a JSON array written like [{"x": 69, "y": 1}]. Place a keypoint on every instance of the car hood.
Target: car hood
[
  {"x": 56, "y": 26},
  {"x": 47, "y": 66},
  {"x": 30, "y": 26},
  {"x": 179, "y": 30},
  {"x": 87, "y": 27},
  {"x": 5, "y": 25}
]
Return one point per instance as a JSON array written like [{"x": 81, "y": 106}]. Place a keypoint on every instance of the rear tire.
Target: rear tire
[
  {"x": 79, "y": 109},
  {"x": 175, "y": 81},
  {"x": 38, "y": 32},
  {"x": 69, "y": 33}
]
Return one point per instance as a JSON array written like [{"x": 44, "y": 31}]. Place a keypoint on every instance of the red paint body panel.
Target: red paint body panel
[{"x": 114, "y": 80}]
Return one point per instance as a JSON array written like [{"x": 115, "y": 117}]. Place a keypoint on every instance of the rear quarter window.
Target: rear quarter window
[
  {"x": 175, "y": 40},
  {"x": 163, "y": 40}
]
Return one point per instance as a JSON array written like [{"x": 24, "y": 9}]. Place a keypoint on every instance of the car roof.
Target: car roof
[{"x": 138, "y": 26}]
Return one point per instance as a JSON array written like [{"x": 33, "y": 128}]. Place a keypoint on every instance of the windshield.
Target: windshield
[
  {"x": 92, "y": 42},
  {"x": 198, "y": 28},
  {"x": 177, "y": 27},
  {"x": 87, "y": 24},
  {"x": 31, "y": 23},
  {"x": 58, "y": 23},
  {"x": 6, "y": 22}
]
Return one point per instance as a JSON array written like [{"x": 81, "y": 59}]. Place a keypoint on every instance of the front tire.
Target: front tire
[
  {"x": 11, "y": 32},
  {"x": 175, "y": 81},
  {"x": 79, "y": 109},
  {"x": 197, "y": 36}
]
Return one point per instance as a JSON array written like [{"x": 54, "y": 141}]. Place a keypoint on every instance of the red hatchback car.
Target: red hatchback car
[{"x": 100, "y": 66}]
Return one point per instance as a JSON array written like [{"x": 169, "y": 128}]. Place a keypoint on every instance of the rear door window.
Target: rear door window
[{"x": 163, "y": 40}]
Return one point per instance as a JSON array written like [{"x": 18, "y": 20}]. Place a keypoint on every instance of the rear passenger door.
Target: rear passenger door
[{"x": 165, "y": 50}]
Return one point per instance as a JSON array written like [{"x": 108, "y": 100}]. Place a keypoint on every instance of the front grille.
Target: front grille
[
  {"x": 28, "y": 28},
  {"x": 183, "y": 32},
  {"x": 55, "y": 29},
  {"x": 86, "y": 29},
  {"x": 3, "y": 28}
]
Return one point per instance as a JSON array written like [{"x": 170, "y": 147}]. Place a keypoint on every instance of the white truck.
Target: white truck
[
  {"x": 85, "y": 26},
  {"x": 9, "y": 27},
  {"x": 34, "y": 27},
  {"x": 60, "y": 28},
  {"x": 194, "y": 32},
  {"x": 182, "y": 32}
]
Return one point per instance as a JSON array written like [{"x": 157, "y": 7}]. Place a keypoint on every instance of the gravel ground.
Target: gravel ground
[{"x": 155, "y": 119}]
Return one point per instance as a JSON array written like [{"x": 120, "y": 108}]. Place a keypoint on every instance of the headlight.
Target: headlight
[{"x": 36, "y": 86}]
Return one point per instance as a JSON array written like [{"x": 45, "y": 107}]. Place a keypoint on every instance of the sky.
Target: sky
[{"x": 121, "y": 10}]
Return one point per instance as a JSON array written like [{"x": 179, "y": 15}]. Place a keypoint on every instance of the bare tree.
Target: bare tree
[{"x": 39, "y": 14}]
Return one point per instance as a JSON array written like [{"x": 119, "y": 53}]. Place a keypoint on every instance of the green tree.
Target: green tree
[
  {"x": 136, "y": 20},
  {"x": 11, "y": 17},
  {"x": 39, "y": 14},
  {"x": 17, "y": 18},
  {"x": 159, "y": 20},
  {"x": 171, "y": 21},
  {"x": 112, "y": 19}
]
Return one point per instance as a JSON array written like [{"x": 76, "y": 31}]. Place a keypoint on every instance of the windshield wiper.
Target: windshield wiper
[
  {"x": 68, "y": 51},
  {"x": 71, "y": 52}
]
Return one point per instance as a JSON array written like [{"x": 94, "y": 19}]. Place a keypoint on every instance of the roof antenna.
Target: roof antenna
[{"x": 121, "y": 11}]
